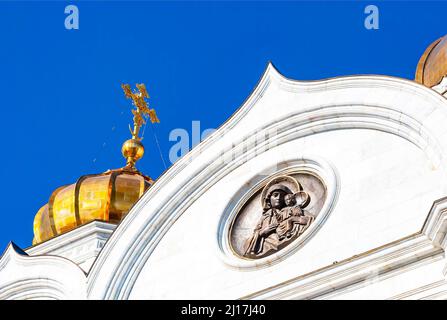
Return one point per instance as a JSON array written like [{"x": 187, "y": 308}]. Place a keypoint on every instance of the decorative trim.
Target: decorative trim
[
  {"x": 431, "y": 291},
  {"x": 126, "y": 252},
  {"x": 76, "y": 196},
  {"x": 111, "y": 189},
  {"x": 26, "y": 277},
  {"x": 50, "y": 209},
  {"x": 97, "y": 228},
  {"x": 385, "y": 261}
]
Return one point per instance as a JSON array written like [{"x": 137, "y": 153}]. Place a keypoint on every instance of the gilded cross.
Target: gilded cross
[{"x": 142, "y": 110}]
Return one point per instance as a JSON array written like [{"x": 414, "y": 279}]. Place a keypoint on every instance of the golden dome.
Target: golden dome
[
  {"x": 106, "y": 196},
  {"x": 432, "y": 66}
]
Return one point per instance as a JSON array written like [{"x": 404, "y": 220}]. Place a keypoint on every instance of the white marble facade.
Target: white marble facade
[{"x": 380, "y": 145}]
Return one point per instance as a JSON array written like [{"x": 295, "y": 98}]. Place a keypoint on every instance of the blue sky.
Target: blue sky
[{"x": 63, "y": 113}]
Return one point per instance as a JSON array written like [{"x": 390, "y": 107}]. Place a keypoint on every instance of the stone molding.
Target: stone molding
[
  {"x": 39, "y": 277},
  {"x": 396, "y": 106},
  {"x": 81, "y": 245},
  {"x": 390, "y": 260}
]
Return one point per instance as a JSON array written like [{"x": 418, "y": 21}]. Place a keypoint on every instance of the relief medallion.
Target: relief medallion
[{"x": 276, "y": 215}]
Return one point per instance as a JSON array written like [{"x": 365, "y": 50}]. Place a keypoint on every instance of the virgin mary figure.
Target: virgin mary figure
[
  {"x": 281, "y": 217},
  {"x": 265, "y": 238}
]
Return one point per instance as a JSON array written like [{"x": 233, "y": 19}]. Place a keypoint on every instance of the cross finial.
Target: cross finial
[
  {"x": 133, "y": 149},
  {"x": 141, "y": 111}
]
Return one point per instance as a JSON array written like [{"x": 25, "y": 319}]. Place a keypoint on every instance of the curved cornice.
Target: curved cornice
[
  {"x": 425, "y": 246},
  {"x": 371, "y": 102},
  {"x": 27, "y": 277}
]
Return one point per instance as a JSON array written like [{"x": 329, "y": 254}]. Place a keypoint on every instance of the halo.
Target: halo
[
  {"x": 303, "y": 198},
  {"x": 296, "y": 186}
]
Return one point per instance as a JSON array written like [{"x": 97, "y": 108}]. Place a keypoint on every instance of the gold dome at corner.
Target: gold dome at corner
[
  {"x": 106, "y": 196},
  {"x": 432, "y": 66}
]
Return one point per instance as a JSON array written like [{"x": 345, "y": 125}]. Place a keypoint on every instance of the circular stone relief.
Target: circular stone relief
[{"x": 277, "y": 214}]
